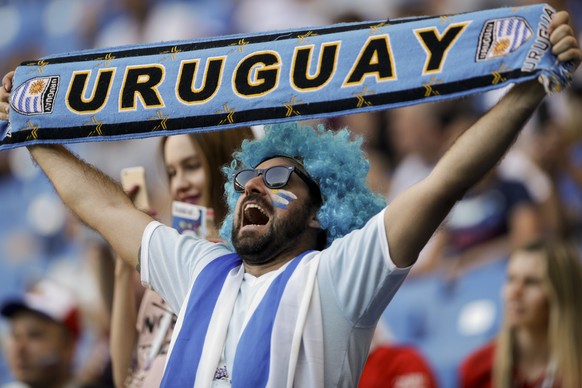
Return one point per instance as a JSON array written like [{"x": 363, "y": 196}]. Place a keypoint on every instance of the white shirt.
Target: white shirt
[{"x": 355, "y": 280}]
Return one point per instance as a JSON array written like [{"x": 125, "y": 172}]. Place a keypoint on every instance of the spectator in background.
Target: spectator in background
[
  {"x": 540, "y": 343},
  {"x": 193, "y": 163},
  {"x": 419, "y": 135},
  {"x": 493, "y": 219},
  {"x": 44, "y": 329},
  {"x": 556, "y": 147},
  {"x": 394, "y": 366}
]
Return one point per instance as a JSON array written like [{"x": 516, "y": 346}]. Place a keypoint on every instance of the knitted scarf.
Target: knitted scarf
[{"x": 177, "y": 87}]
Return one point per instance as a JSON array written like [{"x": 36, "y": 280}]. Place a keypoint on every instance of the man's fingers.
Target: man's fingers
[
  {"x": 4, "y": 106},
  {"x": 571, "y": 55},
  {"x": 562, "y": 31},
  {"x": 7, "y": 81},
  {"x": 5, "y": 94},
  {"x": 564, "y": 43},
  {"x": 559, "y": 18}
]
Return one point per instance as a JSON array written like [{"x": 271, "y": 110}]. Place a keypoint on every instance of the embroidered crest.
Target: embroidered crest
[
  {"x": 35, "y": 96},
  {"x": 501, "y": 37}
]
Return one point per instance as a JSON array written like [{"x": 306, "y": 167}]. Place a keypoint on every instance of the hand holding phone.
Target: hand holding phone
[{"x": 134, "y": 183}]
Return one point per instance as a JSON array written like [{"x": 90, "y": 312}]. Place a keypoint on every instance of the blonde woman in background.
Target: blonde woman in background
[{"x": 540, "y": 344}]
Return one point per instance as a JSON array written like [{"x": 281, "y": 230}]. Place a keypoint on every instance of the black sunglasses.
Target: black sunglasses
[{"x": 274, "y": 178}]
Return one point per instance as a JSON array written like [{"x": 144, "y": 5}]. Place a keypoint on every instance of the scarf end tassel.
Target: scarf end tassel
[{"x": 557, "y": 78}]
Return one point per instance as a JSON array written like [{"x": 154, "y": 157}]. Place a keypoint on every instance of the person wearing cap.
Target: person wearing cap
[
  {"x": 42, "y": 339},
  {"x": 317, "y": 257}
]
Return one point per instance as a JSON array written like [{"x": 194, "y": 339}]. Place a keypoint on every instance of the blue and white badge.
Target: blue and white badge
[
  {"x": 35, "y": 96},
  {"x": 501, "y": 37}
]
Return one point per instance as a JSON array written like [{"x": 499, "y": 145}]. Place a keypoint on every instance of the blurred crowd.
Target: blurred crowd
[{"x": 450, "y": 304}]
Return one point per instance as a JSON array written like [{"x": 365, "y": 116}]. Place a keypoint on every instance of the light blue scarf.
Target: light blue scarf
[{"x": 170, "y": 88}]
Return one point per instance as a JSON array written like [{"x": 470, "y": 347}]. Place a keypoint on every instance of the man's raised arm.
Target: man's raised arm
[
  {"x": 415, "y": 214},
  {"x": 95, "y": 198}
]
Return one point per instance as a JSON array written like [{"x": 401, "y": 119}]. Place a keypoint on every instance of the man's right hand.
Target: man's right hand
[{"x": 5, "y": 95}]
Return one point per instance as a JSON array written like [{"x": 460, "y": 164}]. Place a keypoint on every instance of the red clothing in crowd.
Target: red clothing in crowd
[
  {"x": 477, "y": 371},
  {"x": 396, "y": 367},
  {"x": 477, "y": 368}
]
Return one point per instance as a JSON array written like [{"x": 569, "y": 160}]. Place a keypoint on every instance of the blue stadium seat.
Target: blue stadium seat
[{"x": 446, "y": 320}]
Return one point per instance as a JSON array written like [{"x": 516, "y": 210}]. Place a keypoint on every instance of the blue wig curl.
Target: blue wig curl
[{"x": 336, "y": 163}]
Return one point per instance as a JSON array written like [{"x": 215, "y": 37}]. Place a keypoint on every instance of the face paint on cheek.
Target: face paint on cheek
[{"x": 282, "y": 198}]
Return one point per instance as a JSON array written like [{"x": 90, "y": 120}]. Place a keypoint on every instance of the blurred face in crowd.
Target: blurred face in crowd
[
  {"x": 187, "y": 171},
  {"x": 267, "y": 221},
  {"x": 39, "y": 351},
  {"x": 416, "y": 129},
  {"x": 526, "y": 291}
]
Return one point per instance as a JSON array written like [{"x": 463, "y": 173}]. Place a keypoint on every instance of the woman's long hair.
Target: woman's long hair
[{"x": 564, "y": 282}]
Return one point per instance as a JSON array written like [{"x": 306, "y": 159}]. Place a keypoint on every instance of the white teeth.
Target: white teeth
[
  {"x": 252, "y": 217},
  {"x": 255, "y": 206}
]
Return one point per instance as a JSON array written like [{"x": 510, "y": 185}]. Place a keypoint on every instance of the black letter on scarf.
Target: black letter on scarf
[
  {"x": 437, "y": 46},
  {"x": 257, "y": 74},
  {"x": 300, "y": 77},
  {"x": 142, "y": 82},
  {"x": 76, "y": 100},
  {"x": 187, "y": 92},
  {"x": 375, "y": 59}
]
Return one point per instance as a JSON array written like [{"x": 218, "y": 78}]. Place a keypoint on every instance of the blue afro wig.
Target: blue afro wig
[{"x": 336, "y": 163}]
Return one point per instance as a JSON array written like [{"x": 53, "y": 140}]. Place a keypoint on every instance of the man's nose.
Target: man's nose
[{"x": 255, "y": 184}]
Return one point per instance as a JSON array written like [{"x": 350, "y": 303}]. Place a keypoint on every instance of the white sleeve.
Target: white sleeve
[
  {"x": 171, "y": 261},
  {"x": 359, "y": 271}
]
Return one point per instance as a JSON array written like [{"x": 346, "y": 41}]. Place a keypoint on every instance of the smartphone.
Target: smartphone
[{"x": 135, "y": 176}]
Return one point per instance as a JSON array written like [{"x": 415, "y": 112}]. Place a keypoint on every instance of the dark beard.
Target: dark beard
[{"x": 282, "y": 233}]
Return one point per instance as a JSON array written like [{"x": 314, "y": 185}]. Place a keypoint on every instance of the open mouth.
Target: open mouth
[{"x": 253, "y": 214}]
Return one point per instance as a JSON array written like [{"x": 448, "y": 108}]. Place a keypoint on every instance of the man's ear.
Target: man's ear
[{"x": 314, "y": 222}]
